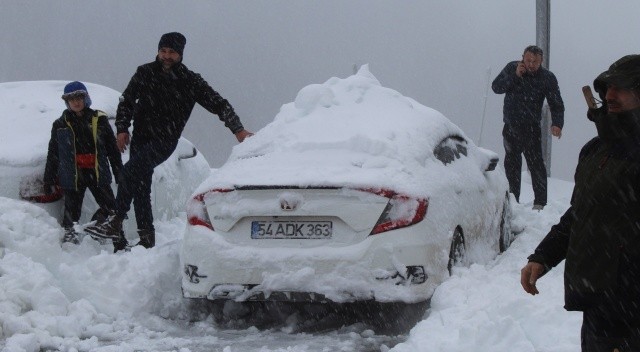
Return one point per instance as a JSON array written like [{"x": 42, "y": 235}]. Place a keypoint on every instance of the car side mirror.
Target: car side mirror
[
  {"x": 188, "y": 155},
  {"x": 493, "y": 162}
]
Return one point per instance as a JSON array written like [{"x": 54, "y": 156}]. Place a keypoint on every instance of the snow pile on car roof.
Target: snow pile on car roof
[{"x": 343, "y": 132}]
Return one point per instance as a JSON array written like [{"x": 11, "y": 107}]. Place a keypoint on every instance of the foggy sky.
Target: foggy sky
[{"x": 259, "y": 54}]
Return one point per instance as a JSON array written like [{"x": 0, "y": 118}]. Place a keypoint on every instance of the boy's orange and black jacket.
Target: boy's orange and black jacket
[{"x": 81, "y": 144}]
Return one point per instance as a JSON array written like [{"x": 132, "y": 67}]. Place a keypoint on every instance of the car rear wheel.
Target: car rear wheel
[
  {"x": 391, "y": 318},
  {"x": 506, "y": 233},
  {"x": 456, "y": 254},
  {"x": 224, "y": 312},
  {"x": 199, "y": 309}
]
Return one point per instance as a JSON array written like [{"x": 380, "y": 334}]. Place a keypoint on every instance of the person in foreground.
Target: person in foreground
[
  {"x": 81, "y": 147},
  {"x": 526, "y": 84},
  {"x": 599, "y": 235},
  {"x": 159, "y": 99}
]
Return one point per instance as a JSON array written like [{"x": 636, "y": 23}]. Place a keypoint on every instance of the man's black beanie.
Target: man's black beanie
[{"x": 173, "y": 40}]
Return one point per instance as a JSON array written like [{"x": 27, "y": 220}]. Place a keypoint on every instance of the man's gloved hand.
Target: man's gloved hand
[
  {"x": 47, "y": 188},
  {"x": 596, "y": 115}
]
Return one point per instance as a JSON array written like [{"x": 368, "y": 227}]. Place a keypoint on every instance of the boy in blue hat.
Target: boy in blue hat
[{"x": 81, "y": 147}]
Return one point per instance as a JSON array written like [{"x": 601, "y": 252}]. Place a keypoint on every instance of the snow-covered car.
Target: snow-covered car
[
  {"x": 27, "y": 111},
  {"x": 353, "y": 193}
]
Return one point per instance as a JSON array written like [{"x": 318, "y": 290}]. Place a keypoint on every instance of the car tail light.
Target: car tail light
[
  {"x": 197, "y": 210},
  {"x": 401, "y": 211}
]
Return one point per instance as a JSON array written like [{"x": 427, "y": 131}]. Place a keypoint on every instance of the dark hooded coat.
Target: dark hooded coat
[{"x": 599, "y": 235}]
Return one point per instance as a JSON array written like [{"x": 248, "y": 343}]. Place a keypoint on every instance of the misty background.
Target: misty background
[{"x": 258, "y": 54}]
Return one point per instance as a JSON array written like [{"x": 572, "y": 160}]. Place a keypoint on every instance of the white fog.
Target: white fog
[{"x": 258, "y": 54}]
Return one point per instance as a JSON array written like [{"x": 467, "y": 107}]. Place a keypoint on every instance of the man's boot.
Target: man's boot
[
  {"x": 121, "y": 244},
  {"x": 101, "y": 215},
  {"x": 147, "y": 238},
  {"x": 108, "y": 229}
]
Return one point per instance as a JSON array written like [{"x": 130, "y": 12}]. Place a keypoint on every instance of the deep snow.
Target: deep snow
[{"x": 87, "y": 299}]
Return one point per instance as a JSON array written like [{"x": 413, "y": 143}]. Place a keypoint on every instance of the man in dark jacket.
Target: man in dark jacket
[
  {"x": 526, "y": 84},
  {"x": 599, "y": 235},
  {"x": 81, "y": 147},
  {"x": 159, "y": 100}
]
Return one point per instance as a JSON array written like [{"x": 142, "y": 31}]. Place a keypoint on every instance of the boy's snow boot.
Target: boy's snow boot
[
  {"x": 121, "y": 244},
  {"x": 108, "y": 229},
  {"x": 147, "y": 238},
  {"x": 70, "y": 236}
]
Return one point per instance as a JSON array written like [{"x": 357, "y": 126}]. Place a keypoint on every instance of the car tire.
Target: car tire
[
  {"x": 457, "y": 251},
  {"x": 506, "y": 233},
  {"x": 392, "y": 318},
  {"x": 199, "y": 309}
]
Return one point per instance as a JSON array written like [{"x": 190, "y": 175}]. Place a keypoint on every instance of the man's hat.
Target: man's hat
[
  {"x": 624, "y": 73},
  {"x": 173, "y": 40}
]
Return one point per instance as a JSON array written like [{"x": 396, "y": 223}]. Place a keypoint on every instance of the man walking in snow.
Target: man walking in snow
[
  {"x": 159, "y": 99},
  {"x": 526, "y": 84},
  {"x": 599, "y": 235}
]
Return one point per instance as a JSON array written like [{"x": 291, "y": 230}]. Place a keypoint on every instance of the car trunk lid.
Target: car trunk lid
[{"x": 334, "y": 214}]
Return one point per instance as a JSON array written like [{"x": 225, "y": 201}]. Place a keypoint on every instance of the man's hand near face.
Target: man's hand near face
[{"x": 520, "y": 69}]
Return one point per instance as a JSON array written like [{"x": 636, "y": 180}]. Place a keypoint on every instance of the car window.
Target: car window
[{"x": 450, "y": 149}]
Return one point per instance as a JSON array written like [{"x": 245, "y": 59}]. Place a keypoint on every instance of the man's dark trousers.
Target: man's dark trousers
[
  {"x": 137, "y": 173},
  {"x": 525, "y": 139},
  {"x": 601, "y": 333}
]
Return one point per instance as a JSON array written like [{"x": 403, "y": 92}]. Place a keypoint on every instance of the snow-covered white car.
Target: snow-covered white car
[
  {"x": 353, "y": 193},
  {"x": 27, "y": 111}
]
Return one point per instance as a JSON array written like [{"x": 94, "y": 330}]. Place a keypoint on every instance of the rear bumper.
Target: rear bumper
[{"x": 399, "y": 266}]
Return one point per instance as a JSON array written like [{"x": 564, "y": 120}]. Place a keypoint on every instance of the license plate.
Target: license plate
[{"x": 313, "y": 230}]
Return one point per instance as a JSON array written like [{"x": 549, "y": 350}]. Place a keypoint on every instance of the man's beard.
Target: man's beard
[
  {"x": 167, "y": 63},
  {"x": 613, "y": 105},
  {"x": 611, "y": 126}
]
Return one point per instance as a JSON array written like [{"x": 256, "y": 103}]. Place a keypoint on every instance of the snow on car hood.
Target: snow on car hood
[
  {"x": 28, "y": 109},
  {"x": 343, "y": 132}
]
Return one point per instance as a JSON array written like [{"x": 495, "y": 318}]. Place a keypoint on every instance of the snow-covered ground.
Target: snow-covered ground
[{"x": 86, "y": 299}]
